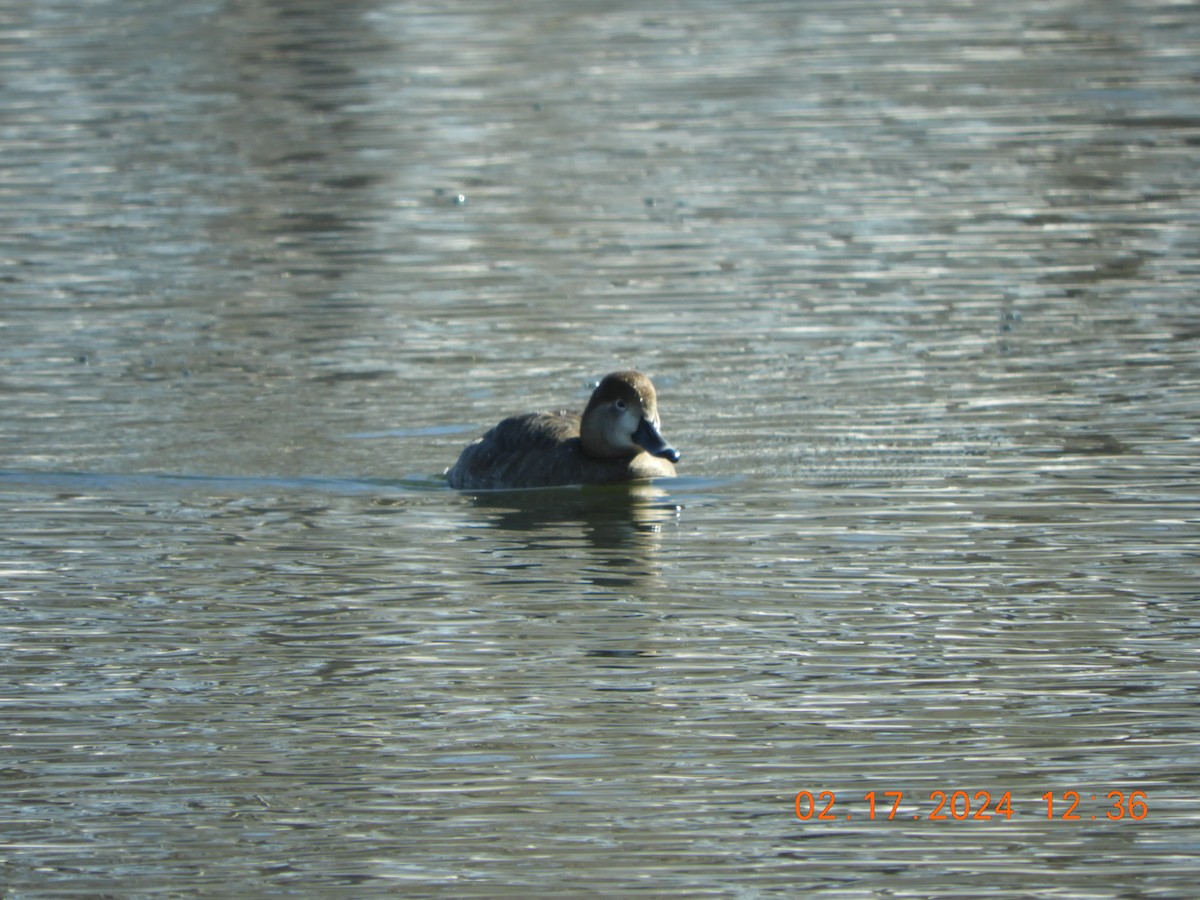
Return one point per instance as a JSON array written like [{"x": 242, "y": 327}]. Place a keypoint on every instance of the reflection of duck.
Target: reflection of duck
[
  {"x": 628, "y": 517},
  {"x": 616, "y": 439}
]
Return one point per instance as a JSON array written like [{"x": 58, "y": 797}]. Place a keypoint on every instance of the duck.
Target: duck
[{"x": 615, "y": 439}]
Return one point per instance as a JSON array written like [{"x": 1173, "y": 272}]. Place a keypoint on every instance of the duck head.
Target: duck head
[{"x": 621, "y": 419}]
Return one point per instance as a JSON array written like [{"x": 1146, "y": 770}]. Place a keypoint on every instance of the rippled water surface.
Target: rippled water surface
[{"x": 918, "y": 287}]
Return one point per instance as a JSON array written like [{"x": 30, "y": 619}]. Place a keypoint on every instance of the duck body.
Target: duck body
[{"x": 615, "y": 439}]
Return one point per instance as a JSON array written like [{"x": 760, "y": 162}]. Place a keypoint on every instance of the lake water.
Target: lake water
[{"x": 918, "y": 286}]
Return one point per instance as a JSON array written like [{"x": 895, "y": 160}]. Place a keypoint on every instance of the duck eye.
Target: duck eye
[{"x": 620, "y": 404}]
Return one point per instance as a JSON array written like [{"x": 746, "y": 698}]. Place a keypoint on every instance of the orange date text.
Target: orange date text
[{"x": 959, "y": 805}]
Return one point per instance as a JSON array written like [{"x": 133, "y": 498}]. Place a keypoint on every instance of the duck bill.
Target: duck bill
[{"x": 651, "y": 440}]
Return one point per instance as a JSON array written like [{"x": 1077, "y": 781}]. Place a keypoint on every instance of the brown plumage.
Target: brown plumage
[{"x": 615, "y": 439}]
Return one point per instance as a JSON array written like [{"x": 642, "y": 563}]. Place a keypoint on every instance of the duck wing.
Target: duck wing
[{"x": 521, "y": 451}]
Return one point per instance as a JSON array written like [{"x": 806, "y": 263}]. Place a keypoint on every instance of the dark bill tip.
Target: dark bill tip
[{"x": 669, "y": 453}]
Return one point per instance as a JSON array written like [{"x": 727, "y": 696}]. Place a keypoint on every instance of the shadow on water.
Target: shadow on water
[{"x": 90, "y": 482}]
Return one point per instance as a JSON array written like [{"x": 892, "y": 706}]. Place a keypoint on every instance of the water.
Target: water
[{"x": 918, "y": 290}]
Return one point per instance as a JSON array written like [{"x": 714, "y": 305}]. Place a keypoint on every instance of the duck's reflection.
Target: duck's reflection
[{"x": 625, "y": 516}]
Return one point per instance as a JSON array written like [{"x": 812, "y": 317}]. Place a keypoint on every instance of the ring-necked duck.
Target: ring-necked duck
[{"x": 616, "y": 439}]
